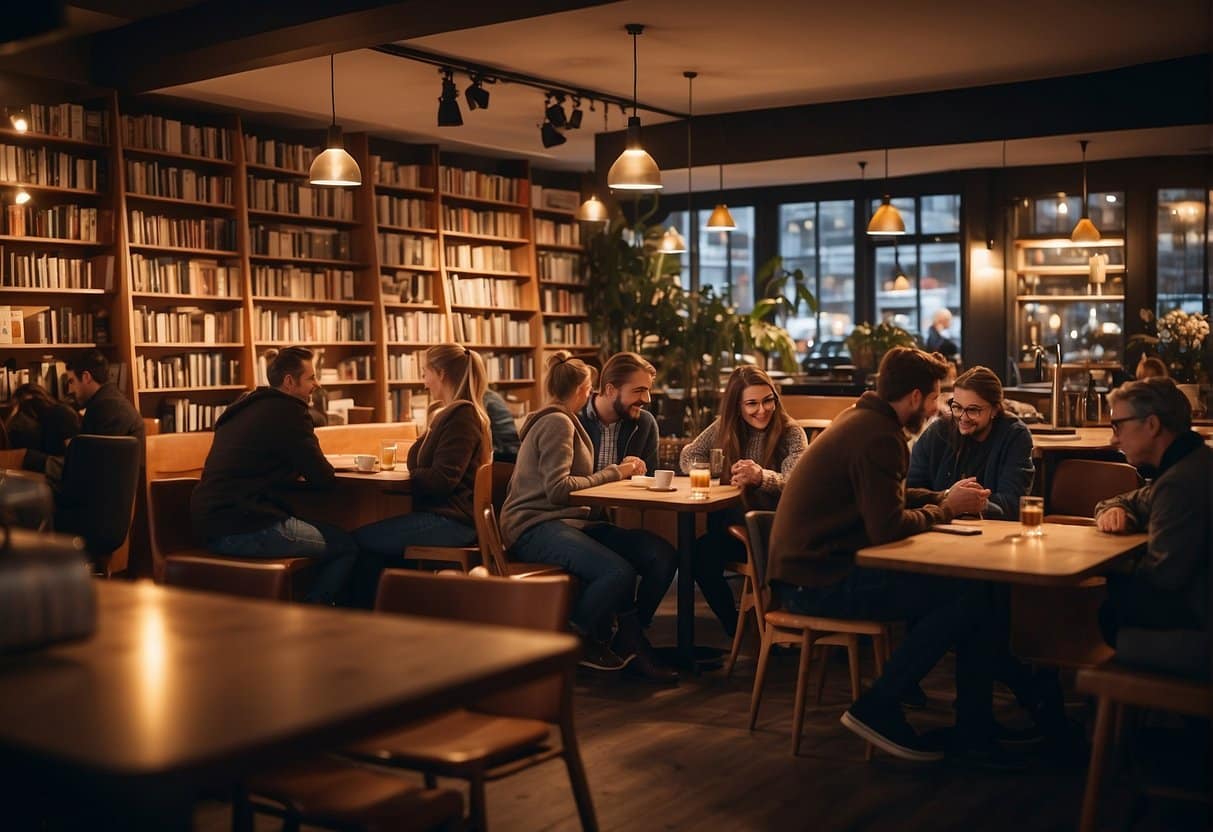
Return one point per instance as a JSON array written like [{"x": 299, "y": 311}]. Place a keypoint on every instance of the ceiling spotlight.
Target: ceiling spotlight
[
  {"x": 21, "y": 197},
  {"x": 555, "y": 109},
  {"x": 448, "y": 103},
  {"x": 550, "y": 136},
  {"x": 476, "y": 95},
  {"x": 576, "y": 116},
  {"x": 19, "y": 118}
]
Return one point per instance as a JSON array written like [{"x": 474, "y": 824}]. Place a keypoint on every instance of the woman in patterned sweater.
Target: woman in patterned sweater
[{"x": 761, "y": 445}]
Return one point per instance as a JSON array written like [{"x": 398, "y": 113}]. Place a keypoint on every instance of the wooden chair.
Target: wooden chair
[
  {"x": 1078, "y": 485},
  {"x": 502, "y": 734},
  {"x": 97, "y": 495},
  {"x": 752, "y": 598},
  {"x": 808, "y": 632},
  {"x": 492, "y": 483},
  {"x": 1116, "y": 686}
]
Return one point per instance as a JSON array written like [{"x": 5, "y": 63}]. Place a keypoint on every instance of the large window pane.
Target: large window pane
[
  {"x": 897, "y": 287},
  {"x": 819, "y": 239},
  {"x": 941, "y": 214},
  {"x": 726, "y": 258},
  {"x": 940, "y": 286},
  {"x": 1181, "y": 225},
  {"x": 1058, "y": 215}
]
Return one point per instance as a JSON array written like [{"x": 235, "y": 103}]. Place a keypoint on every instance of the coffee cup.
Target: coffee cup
[
  {"x": 663, "y": 478},
  {"x": 364, "y": 462}
]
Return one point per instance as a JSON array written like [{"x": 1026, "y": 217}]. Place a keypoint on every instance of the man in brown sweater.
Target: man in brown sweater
[{"x": 847, "y": 492}]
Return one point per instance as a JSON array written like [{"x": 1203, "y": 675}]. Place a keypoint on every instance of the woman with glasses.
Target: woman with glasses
[{"x": 760, "y": 445}]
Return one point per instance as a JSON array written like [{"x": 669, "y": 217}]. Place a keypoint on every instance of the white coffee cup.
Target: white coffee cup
[
  {"x": 663, "y": 478},
  {"x": 364, "y": 462}
]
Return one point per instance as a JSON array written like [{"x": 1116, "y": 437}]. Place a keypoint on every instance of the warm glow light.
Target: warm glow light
[
  {"x": 721, "y": 219},
  {"x": 1109, "y": 197},
  {"x": 593, "y": 210},
  {"x": 150, "y": 694},
  {"x": 22, "y": 197},
  {"x": 634, "y": 170},
  {"x": 19, "y": 121},
  {"x": 887, "y": 221},
  {"x": 1063, "y": 208},
  {"x": 672, "y": 242}
]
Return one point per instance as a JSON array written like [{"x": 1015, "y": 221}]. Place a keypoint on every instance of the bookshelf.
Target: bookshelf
[{"x": 59, "y": 279}]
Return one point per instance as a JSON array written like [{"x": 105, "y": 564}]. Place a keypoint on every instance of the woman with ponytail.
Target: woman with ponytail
[{"x": 442, "y": 469}]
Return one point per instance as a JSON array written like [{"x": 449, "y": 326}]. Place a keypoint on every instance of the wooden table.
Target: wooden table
[
  {"x": 626, "y": 495},
  {"x": 1087, "y": 439},
  {"x": 1063, "y": 557},
  {"x": 358, "y": 498},
  {"x": 180, "y": 691}
]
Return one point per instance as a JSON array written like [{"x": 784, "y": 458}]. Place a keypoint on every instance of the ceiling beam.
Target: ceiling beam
[
  {"x": 1161, "y": 94},
  {"x": 222, "y": 37}
]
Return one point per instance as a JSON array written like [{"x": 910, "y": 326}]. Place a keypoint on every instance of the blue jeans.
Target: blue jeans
[
  {"x": 382, "y": 546},
  {"x": 606, "y": 560},
  {"x": 295, "y": 538}
]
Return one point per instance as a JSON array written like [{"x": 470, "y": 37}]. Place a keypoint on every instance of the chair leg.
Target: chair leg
[
  {"x": 853, "y": 663},
  {"x": 822, "y": 667},
  {"x": 477, "y": 812},
  {"x": 760, "y": 673},
  {"x": 577, "y": 779},
  {"x": 802, "y": 684},
  {"x": 1104, "y": 717},
  {"x": 738, "y": 636}
]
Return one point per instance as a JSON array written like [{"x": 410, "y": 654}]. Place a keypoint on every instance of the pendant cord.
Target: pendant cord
[
  {"x": 635, "y": 73},
  {"x": 332, "y": 89}
]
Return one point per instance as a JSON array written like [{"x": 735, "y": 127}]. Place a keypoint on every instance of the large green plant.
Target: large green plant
[
  {"x": 783, "y": 292},
  {"x": 868, "y": 344}
]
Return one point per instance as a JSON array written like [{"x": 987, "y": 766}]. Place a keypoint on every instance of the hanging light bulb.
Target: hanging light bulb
[
  {"x": 721, "y": 219},
  {"x": 635, "y": 169},
  {"x": 672, "y": 242},
  {"x": 334, "y": 168},
  {"x": 1085, "y": 230},
  {"x": 887, "y": 220}
]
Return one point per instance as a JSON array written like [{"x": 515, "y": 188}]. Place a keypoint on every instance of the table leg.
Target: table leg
[{"x": 686, "y": 590}]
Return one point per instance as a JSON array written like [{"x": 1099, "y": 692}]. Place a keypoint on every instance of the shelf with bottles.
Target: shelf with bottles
[{"x": 1090, "y": 330}]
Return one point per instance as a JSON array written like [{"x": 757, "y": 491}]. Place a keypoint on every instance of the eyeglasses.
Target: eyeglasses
[
  {"x": 973, "y": 411},
  {"x": 752, "y": 406},
  {"x": 1116, "y": 423}
]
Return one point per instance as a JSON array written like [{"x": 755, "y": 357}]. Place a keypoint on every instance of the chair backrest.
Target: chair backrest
[
  {"x": 742, "y": 533},
  {"x": 758, "y": 524},
  {"x": 488, "y": 495},
  {"x": 533, "y": 604},
  {"x": 168, "y": 519},
  {"x": 177, "y": 454},
  {"x": 97, "y": 499},
  {"x": 492, "y": 548},
  {"x": 1077, "y": 485},
  {"x": 364, "y": 438}
]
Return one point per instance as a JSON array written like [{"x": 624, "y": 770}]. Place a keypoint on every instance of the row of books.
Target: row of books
[
  {"x": 155, "y": 179},
  {"x": 556, "y": 199},
  {"x": 277, "y": 154},
  {"x": 407, "y": 287},
  {"x": 566, "y": 332},
  {"x": 406, "y": 250},
  {"x": 403, "y": 211},
  {"x": 405, "y": 404},
  {"x": 195, "y": 369},
  {"x": 69, "y": 121},
  {"x": 405, "y": 366},
  {"x": 215, "y": 233},
  {"x": 354, "y": 368},
  {"x": 312, "y": 325},
  {"x": 182, "y": 415},
  {"x": 62, "y": 222},
  {"x": 415, "y": 326},
  {"x": 187, "y": 325},
  {"x": 46, "y": 325},
  {"x": 302, "y": 283},
  {"x": 152, "y": 132},
  {"x": 25, "y": 270},
  {"x": 399, "y": 174},
  {"x": 469, "y": 221},
  {"x": 288, "y": 241},
  {"x": 484, "y": 291},
  {"x": 552, "y": 233},
  {"x": 41, "y": 166},
  {"x": 560, "y": 267},
  {"x": 480, "y": 185},
  {"x": 491, "y": 329},
  {"x": 289, "y": 197},
  {"x": 488, "y": 258},
  {"x": 518, "y": 366},
  {"x": 562, "y": 300},
  {"x": 172, "y": 275}
]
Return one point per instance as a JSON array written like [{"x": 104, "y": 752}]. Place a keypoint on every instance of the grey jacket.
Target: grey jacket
[{"x": 555, "y": 459}]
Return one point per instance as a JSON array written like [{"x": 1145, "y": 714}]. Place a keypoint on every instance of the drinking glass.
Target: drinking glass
[
  {"x": 701, "y": 480},
  {"x": 1032, "y": 516},
  {"x": 387, "y": 455},
  {"x": 717, "y": 463}
]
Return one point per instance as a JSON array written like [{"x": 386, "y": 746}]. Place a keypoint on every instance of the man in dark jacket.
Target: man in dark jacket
[
  {"x": 106, "y": 411},
  {"x": 847, "y": 492},
  {"x": 265, "y": 442},
  {"x": 615, "y": 417}
]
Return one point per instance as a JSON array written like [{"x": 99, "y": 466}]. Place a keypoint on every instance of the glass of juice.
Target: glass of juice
[
  {"x": 701, "y": 480},
  {"x": 387, "y": 455},
  {"x": 1032, "y": 516}
]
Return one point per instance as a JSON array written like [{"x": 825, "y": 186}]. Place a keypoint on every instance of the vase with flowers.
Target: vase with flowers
[{"x": 1179, "y": 338}]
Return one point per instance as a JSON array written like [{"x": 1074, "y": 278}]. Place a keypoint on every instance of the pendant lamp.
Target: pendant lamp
[
  {"x": 721, "y": 219},
  {"x": 1085, "y": 231},
  {"x": 672, "y": 242},
  {"x": 887, "y": 220},
  {"x": 594, "y": 209},
  {"x": 334, "y": 168},
  {"x": 635, "y": 169}
]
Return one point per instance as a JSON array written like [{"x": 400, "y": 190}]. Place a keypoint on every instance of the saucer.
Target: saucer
[{"x": 664, "y": 490}]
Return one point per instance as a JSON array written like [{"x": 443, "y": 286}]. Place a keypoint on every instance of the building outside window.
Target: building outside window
[
  {"x": 726, "y": 258},
  {"x": 1183, "y": 234},
  {"x": 819, "y": 239}
]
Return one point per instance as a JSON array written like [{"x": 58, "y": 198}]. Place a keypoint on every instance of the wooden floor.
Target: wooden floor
[{"x": 681, "y": 758}]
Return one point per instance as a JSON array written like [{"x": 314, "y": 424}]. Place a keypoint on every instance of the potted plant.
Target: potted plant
[
  {"x": 1178, "y": 337},
  {"x": 764, "y": 328},
  {"x": 867, "y": 344}
]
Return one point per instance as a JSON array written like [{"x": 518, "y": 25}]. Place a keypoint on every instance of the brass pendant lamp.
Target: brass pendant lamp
[
  {"x": 594, "y": 209},
  {"x": 672, "y": 242},
  {"x": 635, "y": 169},
  {"x": 1085, "y": 230},
  {"x": 887, "y": 220},
  {"x": 721, "y": 219},
  {"x": 334, "y": 167}
]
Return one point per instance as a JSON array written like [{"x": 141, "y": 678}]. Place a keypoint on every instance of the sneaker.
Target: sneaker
[
  {"x": 597, "y": 656},
  {"x": 914, "y": 697},
  {"x": 887, "y": 729}
]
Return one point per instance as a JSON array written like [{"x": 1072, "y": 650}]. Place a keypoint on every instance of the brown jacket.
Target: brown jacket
[
  {"x": 443, "y": 463},
  {"x": 847, "y": 492}
]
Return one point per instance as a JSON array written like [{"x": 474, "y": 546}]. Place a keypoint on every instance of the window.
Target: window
[
  {"x": 819, "y": 239},
  {"x": 726, "y": 258},
  {"x": 918, "y": 274},
  {"x": 1182, "y": 220}
]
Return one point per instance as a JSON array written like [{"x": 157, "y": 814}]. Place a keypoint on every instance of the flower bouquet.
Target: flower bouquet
[{"x": 1178, "y": 337}]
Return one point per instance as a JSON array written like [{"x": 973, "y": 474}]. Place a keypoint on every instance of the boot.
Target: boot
[{"x": 630, "y": 641}]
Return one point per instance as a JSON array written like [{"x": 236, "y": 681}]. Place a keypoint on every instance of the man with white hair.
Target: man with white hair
[{"x": 938, "y": 338}]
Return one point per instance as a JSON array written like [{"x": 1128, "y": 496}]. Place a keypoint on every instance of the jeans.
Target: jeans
[
  {"x": 712, "y": 552},
  {"x": 606, "y": 560},
  {"x": 295, "y": 538},
  {"x": 950, "y": 613},
  {"x": 382, "y": 546}
]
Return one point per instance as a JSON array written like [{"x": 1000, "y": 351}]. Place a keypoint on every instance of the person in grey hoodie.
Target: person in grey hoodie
[{"x": 538, "y": 525}]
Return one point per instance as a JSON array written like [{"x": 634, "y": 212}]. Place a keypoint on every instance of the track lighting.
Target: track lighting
[
  {"x": 476, "y": 95},
  {"x": 555, "y": 109},
  {"x": 448, "y": 103},
  {"x": 334, "y": 167},
  {"x": 550, "y": 136}
]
